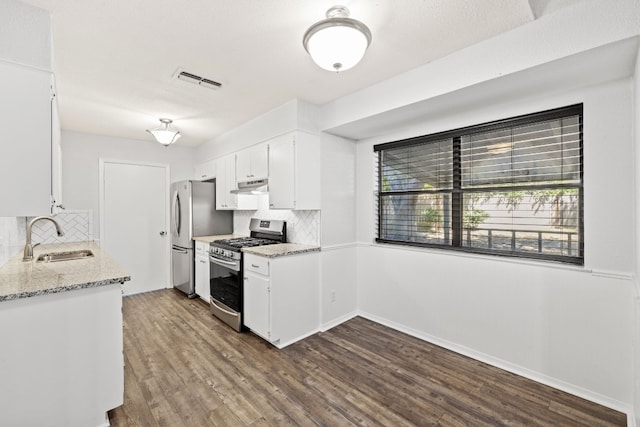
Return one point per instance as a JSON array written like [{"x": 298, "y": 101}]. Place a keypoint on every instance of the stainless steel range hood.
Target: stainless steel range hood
[{"x": 257, "y": 186}]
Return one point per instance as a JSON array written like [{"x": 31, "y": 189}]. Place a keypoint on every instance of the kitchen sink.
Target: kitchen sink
[{"x": 65, "y": 256}]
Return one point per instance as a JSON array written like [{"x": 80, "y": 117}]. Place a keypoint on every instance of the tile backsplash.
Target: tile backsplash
[
  {"x": 12, "y": 237},
  {"x": 77, "y": 226},
  {"x": 302, "y": 226}
]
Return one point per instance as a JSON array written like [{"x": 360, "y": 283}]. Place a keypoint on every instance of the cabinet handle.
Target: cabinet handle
[
  {"x": 255, "y": 266},
  {"x": 202, "y": 261}
]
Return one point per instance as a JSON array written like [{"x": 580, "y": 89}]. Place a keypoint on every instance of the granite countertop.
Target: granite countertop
[
  {"x": 209, "y": 239},
  {"x": 281, "y": 249},
  {"x": 20, "y": 279}
]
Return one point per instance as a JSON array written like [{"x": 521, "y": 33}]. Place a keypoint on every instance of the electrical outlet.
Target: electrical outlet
[{"x": 333, "y": 295}]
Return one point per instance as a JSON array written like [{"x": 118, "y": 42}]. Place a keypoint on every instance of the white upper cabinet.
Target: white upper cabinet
[
  {"x": 56, "y": 153},
  {"x": 30, "y": 167},
  {"x": 226, "y": 182},
  {"x": 294, "y": 171},
  {"x": 205, "y": 171},
  {"x": 26, "y": 150},
  {"x": 253, "y": 163}
]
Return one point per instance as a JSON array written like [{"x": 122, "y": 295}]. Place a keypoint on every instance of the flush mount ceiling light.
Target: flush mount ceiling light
[
  {"x": 165, "y": 134},
  {"x": 338, "y": 42}
]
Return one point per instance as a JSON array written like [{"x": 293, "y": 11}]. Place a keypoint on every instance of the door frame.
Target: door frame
[{"x": 167, "y": 189}]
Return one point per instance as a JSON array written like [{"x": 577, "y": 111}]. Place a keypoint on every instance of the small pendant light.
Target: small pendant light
[{"x": 165, "y": 134}]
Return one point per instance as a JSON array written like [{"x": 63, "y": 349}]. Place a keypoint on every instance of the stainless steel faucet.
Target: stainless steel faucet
[{"x": 28, "y": 248}]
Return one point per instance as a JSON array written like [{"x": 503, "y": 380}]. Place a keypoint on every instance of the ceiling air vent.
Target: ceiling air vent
[{"x": 185, "y": 76}]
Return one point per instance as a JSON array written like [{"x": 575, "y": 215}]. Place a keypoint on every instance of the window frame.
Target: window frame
[{"x": 457, "y": 193}]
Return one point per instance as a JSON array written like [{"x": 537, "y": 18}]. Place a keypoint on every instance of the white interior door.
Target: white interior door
[{"x": 134, "y": 213}]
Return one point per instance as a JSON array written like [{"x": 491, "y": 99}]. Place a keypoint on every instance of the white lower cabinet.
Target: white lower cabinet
[
  {"x": 256, "y": 304},
  {"x": 202, "y": 270},
  {"x": 281, "y": 302},
  {"x": 62, "y": 359}
]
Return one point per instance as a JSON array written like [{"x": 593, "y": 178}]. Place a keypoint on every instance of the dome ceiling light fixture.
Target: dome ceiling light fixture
[
  {"x": 165, "y": 134},
  {"x": 338, "y": 42}
]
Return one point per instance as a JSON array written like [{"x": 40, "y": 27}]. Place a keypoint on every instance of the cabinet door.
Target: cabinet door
[
  {"x": 221, "y": 198},
  {"x": 205, "y": 171},
  {"x": 56, "y": 154},
  {"x": 243, "y": 165},
  {"x": 230, "y": 181},
  {"x": 260, "y": 161},
  {"x": 282, "y": 173},
  {"x": 253, "y": 163},
  {"x": 202, "y": 277},
  {"x": 256, "y": 304},
  {"x": 225, "y": 182},
  {"x": 25, "y": 150}
]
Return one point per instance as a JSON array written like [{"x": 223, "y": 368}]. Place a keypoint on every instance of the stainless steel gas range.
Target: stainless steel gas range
[{"x": 227, "y": 272}]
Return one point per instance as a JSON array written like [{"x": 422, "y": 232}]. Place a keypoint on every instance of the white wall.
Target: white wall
[
  {"x": 338, "y": 284},
  {"x": 566, "y": 326},
  {"x": 81, "y": 154},
  {"x": 290, "y": 116}
]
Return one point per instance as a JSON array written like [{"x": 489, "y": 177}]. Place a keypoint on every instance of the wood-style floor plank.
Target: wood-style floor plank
[{"x": 184, "y": 367}]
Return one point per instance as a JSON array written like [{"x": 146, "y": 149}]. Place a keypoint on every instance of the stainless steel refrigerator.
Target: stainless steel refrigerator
[{"x": 193, "y": 214}]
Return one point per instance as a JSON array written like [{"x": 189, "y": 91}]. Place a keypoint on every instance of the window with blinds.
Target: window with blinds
[{"x": 512, "y": 187}]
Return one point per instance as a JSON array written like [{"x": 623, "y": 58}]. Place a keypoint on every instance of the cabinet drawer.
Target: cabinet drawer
[
  {"x": 257, "y": 265},
  {"x": 202, "y": 248}
]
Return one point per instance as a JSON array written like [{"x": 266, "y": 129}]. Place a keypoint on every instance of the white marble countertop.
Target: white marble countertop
[
  {"x": 281, "y": 249},
  {"x": 209, "y": 239},
  {"x": 20, "y": 279}
]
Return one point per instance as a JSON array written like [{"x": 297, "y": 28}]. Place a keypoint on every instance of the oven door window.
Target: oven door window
[{"x": 225, "y": 286}]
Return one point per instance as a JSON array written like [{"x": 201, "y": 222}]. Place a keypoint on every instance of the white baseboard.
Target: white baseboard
[{"x": 335, "y": 322}]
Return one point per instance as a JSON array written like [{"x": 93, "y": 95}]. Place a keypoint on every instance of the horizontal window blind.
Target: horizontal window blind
[
  {"x": 512, "y": 187},
  {"x": 540, "y": 153}
]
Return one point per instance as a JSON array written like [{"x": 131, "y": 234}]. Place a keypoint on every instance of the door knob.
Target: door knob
[{"x": 162, "y": 233}]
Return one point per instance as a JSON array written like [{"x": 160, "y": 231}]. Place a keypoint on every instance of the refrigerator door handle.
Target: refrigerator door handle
[
  {"x": 177, "y": 214},
  {"x": 180, "y": 250}
]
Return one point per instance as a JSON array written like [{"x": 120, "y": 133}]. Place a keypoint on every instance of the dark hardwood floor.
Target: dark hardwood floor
[{"x": 186, "y": 368}]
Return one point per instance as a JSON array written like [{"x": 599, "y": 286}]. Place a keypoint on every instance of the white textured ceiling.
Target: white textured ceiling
[{"x": 114, "y": 59}]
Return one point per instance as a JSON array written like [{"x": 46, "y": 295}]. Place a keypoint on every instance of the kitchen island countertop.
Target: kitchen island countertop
[{"x": 20, "y": 279}]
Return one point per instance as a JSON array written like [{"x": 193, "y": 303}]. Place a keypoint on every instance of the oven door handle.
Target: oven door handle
[
  {"x": 221, "y": 261},
  {"x": 230, "y": 313}
]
